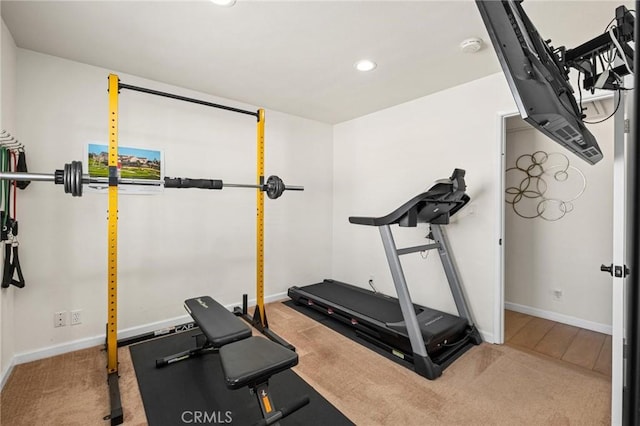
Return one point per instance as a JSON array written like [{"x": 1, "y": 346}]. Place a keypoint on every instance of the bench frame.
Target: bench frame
[{"x": 221, "y": 328}]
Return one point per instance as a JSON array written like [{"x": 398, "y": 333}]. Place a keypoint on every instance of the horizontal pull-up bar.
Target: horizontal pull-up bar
[
  {"x": 185, "y": 99},
  {"x": 72, "y": 178}
]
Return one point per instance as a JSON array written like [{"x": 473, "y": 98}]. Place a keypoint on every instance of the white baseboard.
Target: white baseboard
[
  {"x": 6, "y": 373},
  {"x": 486, "y": 337},
  {"x": 564, "y": 319},
  {"x": 272, "y": 298},
  {"x": 89, "y": 342}
]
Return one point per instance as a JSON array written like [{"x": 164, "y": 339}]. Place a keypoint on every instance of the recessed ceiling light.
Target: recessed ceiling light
[
  {"x": 226, "y": 3},
  {"x": 365, "y": 65}
]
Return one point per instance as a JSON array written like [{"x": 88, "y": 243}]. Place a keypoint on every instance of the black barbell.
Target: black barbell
[{"x": 72, "y": 178}]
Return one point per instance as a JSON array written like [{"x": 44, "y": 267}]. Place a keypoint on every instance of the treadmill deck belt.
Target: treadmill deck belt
[{"x": 383, "y": 308}]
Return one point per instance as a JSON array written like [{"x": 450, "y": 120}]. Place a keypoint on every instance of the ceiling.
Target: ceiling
[{"x": 295, "y": 57}]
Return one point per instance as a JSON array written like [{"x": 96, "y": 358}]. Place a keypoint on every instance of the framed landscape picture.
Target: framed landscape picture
[{"x": 141, "y": 170}]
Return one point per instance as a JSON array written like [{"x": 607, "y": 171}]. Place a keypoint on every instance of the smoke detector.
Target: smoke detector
[{"x": 471, "y": 45}]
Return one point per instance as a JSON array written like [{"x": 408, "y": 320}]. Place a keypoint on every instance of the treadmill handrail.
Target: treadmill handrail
[{"x": 456, "y": 197}]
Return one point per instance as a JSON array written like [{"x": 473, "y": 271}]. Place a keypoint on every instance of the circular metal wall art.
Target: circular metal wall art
[{"x": 544, "y": 185}]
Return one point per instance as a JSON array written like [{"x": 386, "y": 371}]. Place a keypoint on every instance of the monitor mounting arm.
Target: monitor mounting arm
[{"x": 584, "y": 57}]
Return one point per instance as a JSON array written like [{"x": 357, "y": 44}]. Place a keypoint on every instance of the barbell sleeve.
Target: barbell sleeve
[{"x": 294, "y": 188}]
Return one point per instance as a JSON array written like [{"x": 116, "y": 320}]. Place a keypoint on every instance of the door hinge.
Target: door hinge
[
  {"x": 627, "y": 125},
  {"x": 626, "y": 350}
]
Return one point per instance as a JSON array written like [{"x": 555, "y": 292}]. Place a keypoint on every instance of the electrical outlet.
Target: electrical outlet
[
  {"x": 76, "y": 317},
  {"x": 60, "y": 319}
]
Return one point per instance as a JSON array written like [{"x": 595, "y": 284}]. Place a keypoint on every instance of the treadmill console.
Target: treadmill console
[{"x": 436, "y": 205}]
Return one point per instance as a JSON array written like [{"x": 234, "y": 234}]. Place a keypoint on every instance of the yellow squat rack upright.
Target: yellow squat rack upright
[
  {"x": 259, "y": 318},
  {"x": 116, "y": 415}
]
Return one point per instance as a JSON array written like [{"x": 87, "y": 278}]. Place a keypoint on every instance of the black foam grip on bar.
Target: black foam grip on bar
[{"x": 192, "y": 183}]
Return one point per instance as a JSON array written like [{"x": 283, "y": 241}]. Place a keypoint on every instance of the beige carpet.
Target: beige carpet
[
  {"x": 488, "y": 385},
  {"x": 69, "y": 389}
]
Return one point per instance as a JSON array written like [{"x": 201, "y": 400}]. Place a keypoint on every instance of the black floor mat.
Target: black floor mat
[
  {"x": 193, "y": 390},
  {"x": 346, "y": 331}
]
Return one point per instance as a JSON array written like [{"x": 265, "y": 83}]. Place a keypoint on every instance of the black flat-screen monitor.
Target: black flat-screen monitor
[{"x": 538, "y": 82}]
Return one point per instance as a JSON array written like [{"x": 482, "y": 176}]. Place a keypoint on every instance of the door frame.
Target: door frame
[
  {"x": 499, "y": 289},
  {"x": 501, "y": 122}
]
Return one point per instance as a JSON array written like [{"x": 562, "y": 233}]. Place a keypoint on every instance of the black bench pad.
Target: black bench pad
[
  {"x": 252, "y": 361},
  {"x": 218, "y": 324}
]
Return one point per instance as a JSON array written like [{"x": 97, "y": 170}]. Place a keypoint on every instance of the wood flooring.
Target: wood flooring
[{"x": 577, "y": 346}]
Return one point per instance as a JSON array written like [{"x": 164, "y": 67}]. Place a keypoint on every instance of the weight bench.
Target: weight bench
[{"x": 247, "y": 361}]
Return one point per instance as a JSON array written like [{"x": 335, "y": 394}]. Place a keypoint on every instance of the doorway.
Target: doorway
[{"x": 617, "y": 224}]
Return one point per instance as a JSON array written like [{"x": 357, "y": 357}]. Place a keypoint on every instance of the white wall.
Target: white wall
[
  {"x": 8, "y": 122},
  {"x": 383, "y": 159},
  {"x": 180, "y": 244},
  {"x": 566, "y": 254}
]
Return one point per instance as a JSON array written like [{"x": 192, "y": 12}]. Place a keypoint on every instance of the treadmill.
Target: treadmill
[{"x": 431, "y": 340}]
